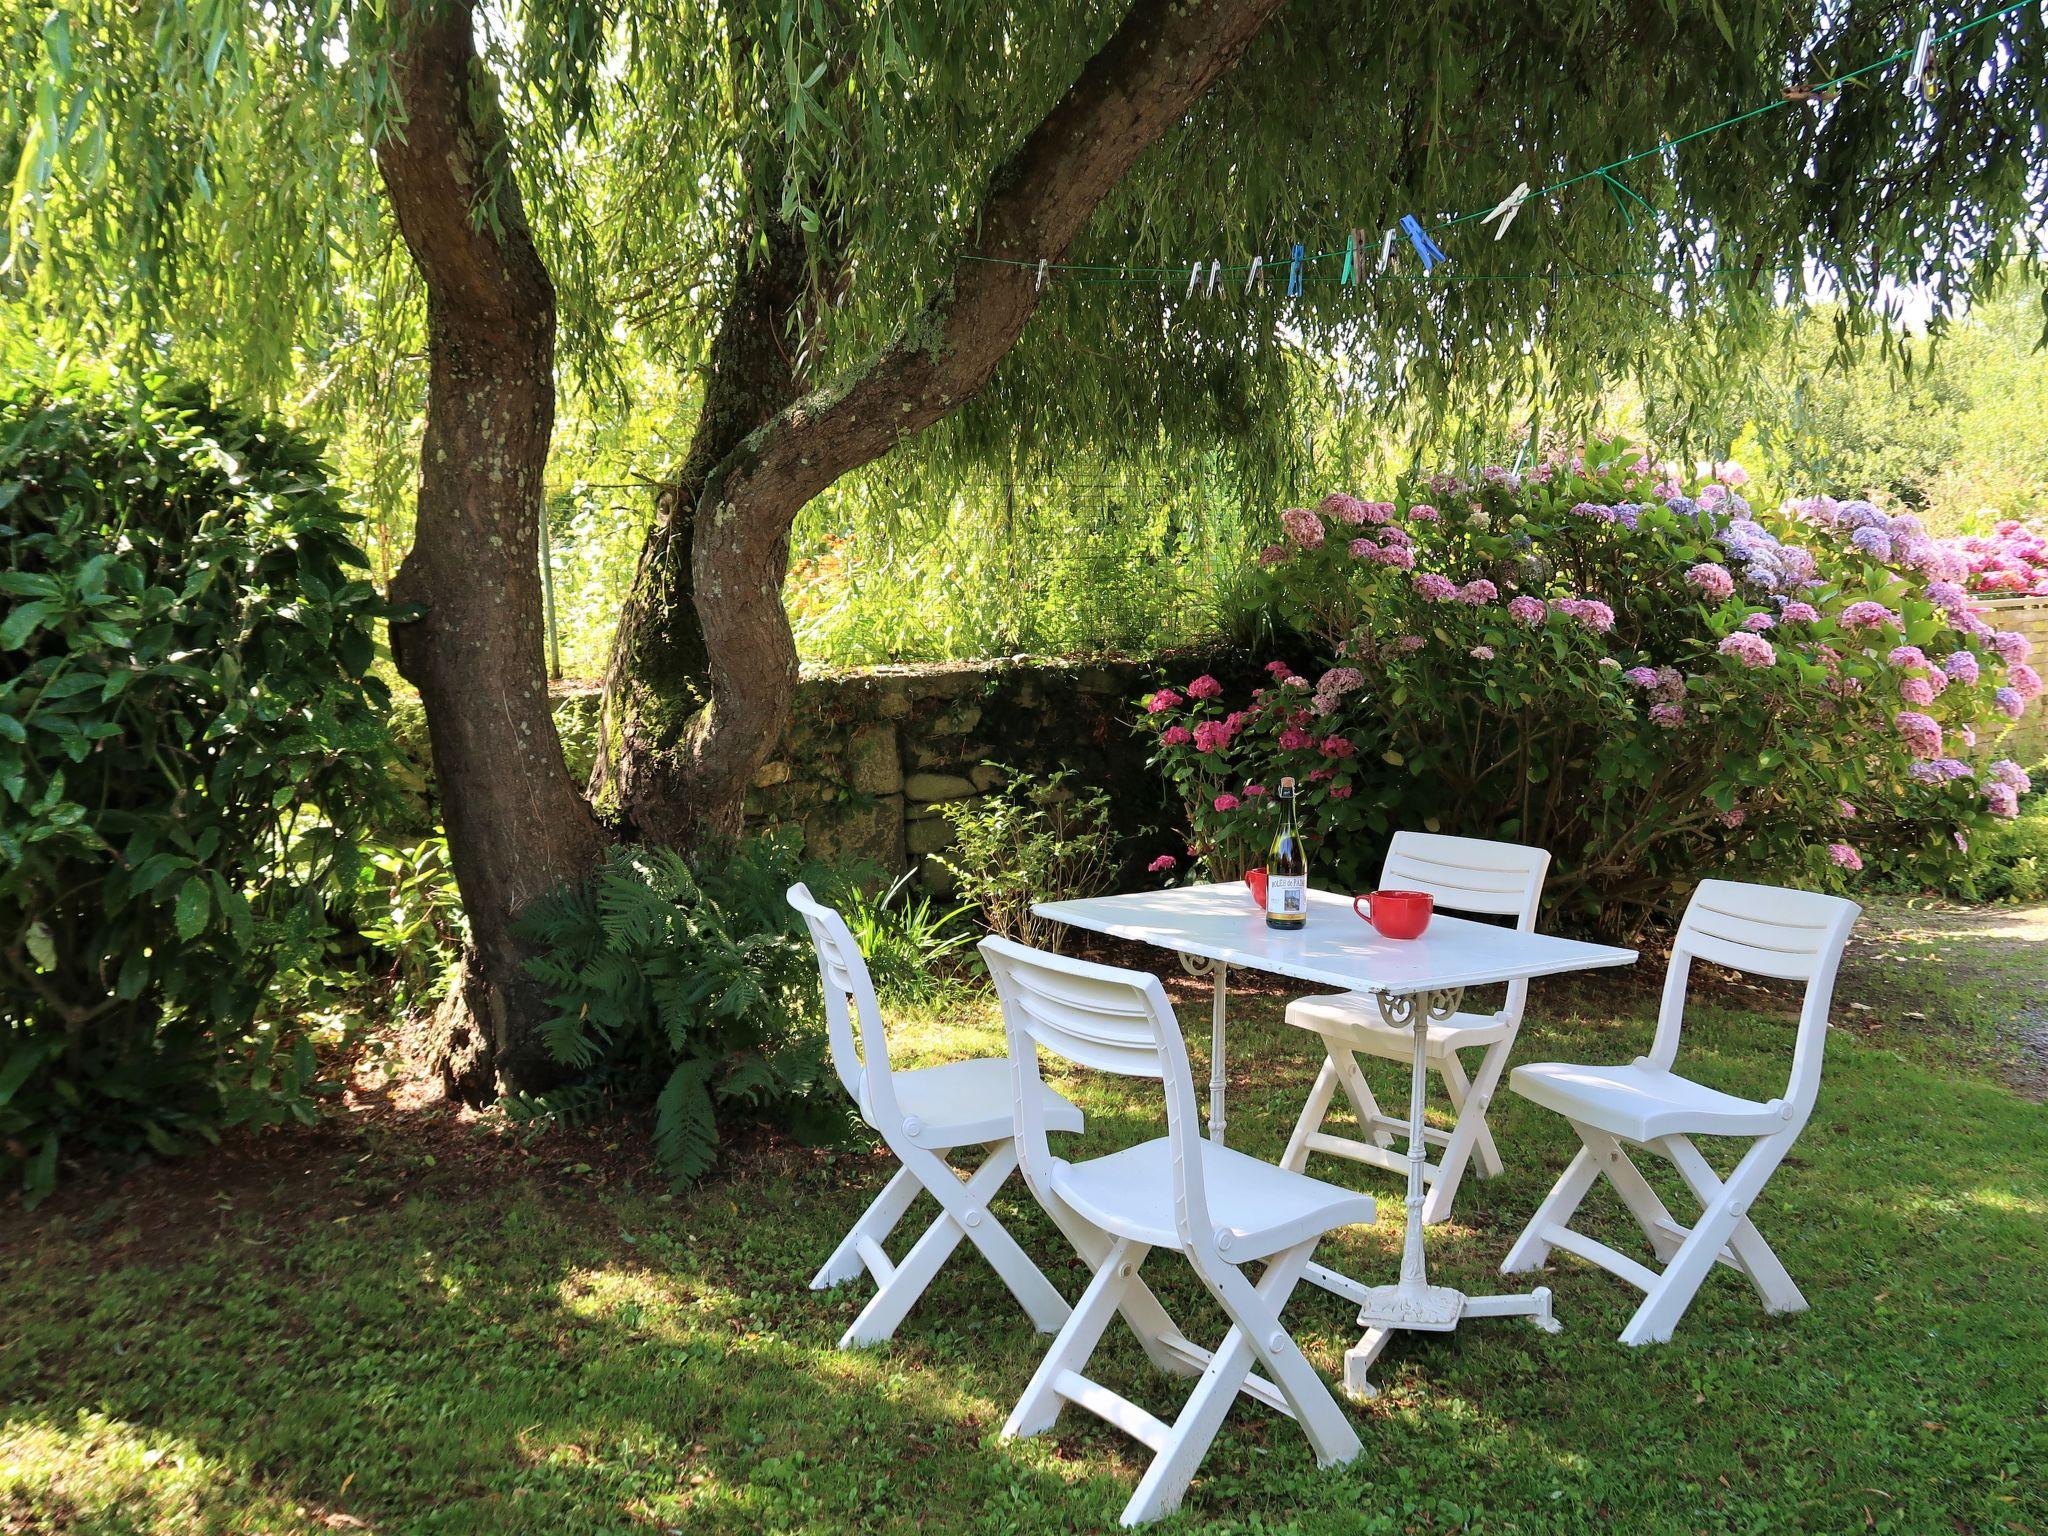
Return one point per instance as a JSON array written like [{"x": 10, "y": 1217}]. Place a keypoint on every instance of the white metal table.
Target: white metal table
[{"x": 1213, "y": 927}]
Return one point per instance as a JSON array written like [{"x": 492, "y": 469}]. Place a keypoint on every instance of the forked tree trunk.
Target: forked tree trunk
[
  {"x": 1161, "y": 58},
  {"x": 517, "y": 825}
]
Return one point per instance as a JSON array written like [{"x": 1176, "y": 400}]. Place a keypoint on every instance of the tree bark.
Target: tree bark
[
  {"x": 656, "y": 675},
  {"x": 517, "y": 825},
  {"x": 1161, "y": 58}
]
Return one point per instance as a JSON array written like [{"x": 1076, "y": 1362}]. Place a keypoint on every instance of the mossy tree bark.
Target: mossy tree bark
[
  {"x": 688, "y": 784},
  {"x": 517, "y": 825}
]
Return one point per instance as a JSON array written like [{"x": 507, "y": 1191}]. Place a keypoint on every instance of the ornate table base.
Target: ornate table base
[
  {"x": 1219, "y": 974},
  {"x": 1413, "y": 1302}
]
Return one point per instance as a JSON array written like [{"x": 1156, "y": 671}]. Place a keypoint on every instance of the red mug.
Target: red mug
[
  {"x": 1396, "y": 914},
  {"x": 1256, "y": 879}
]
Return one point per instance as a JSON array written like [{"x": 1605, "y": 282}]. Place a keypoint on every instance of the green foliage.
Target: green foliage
[
  {"x": 692, "y": 988},
  {"x": 1030, "y": 839},
  {"x": 191, "y": 741},
  {"x": 406, "y": 906},
  {"x": 2009, "y": 860},
  {"x": 1585, "y": 660},
  {"x": 914, "y": 947}
]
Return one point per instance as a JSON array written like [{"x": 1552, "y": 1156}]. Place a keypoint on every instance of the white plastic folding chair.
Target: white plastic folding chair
[
  {"x": 1180, "y": 1191},
  {"x": 1463, "y": 874},
  {"x": 922, "y": 1115},
  {"x": 1760, "y": 929}
]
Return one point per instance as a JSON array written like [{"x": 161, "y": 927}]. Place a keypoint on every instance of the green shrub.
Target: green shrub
[
  {"x": 190, "y": 739},
  {"x": 690, "y": 987},
  {"x": 1031, "y": 839}
]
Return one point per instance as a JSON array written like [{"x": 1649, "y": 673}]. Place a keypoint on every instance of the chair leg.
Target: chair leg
[
  {"x": 1657, "y": 1318},
  {"x": 1373, "y": 1125},
  {"x": 1255, "y": 1333},
  {"x": 1469, "y": 1136},
  {"x": 1295, "y": 1158},
  {"x": 1143, "y": 1312},
  {"x": 1753, "y": 1256},
  {"x": 1643, "y": 1202},
  {"x": 875, "y": 1224},
  {"x": 1039, "y": 1408},
  {"x": 1043, "y": 1304},
  {"x": 1531, "y": 1249}
]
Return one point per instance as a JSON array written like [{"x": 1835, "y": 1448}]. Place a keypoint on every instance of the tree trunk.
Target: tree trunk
[
  {"x": 1161, "y": 58},
  {"x": 517, "y": 826},
  {"x": 657, "y": 674}
]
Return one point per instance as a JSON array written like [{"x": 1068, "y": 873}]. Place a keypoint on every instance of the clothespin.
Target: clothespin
[
  {"x": 1294, "y": 272},
  {"x": 1387, "y": 250},
  {"x": 1041, "y": 275},
  {"x": 1215, "y": 272},
  {"x": 1251, "y": 281},
  {"x": 1194, "y": 277},
  {"x": 1350, "y": 259},
  {"x": 1921, "y": 86},
  {"x": 1506, "y": 209},
  {"x": 1425, "y": 247}
]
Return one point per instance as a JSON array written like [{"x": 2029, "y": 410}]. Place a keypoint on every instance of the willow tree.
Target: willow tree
[{"x": 834, "y": 214}]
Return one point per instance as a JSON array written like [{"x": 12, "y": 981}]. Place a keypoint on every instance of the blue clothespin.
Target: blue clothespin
[
  {"x": 1294, "y": 272},
  {"x": 1919, "y": 84},
  {"x": 1418, "y": 237}
]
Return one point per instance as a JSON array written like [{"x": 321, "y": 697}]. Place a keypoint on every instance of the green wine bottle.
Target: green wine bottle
[{"x": 1287, "y": 869}]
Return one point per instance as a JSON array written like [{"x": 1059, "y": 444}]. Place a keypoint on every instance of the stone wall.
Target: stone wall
[
  {"x": 2028, "y": 742},
  {"x": 870, "y": 756}
]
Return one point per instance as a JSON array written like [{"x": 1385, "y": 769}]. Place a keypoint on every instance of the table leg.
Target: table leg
[
  {"x": 1413, "y": 1302},
  {"x": 1219, "y": 974}
]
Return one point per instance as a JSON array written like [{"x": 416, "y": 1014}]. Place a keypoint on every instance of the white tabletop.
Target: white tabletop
[{"x": 1337, "y": 947}]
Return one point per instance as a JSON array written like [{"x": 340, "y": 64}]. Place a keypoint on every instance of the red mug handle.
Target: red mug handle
[{"x": 1365, "y": 911}]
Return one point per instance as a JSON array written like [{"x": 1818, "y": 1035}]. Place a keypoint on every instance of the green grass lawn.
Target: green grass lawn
[{"x": 400, "y": 1322}]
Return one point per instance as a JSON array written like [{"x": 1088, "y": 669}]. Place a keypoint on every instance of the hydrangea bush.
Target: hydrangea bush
[
  {"x": 2009, "y": 561},
  {"x": 1644, "y": 675}
]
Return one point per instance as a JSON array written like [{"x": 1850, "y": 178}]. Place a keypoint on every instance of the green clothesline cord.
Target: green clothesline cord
[{"x": 1555, "y": 187}]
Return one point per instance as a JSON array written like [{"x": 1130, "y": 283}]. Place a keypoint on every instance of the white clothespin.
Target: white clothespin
[
  {"x": 1215, "y": 272},
  {"x": 1387, "y": 249},
  {"x": 1041, "y": 274},
  {"x": 1251, "y": 281},
  {"x": 1923, "y": 59},
  {"x": 1194, "y": 277},
  {"x": 1506, "y": 209}
]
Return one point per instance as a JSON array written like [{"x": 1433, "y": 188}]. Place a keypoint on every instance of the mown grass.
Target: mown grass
[{"x": 415, "y": 1349}]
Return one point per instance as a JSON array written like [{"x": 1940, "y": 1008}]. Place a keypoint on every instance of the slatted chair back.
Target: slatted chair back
[
  {"x": 853, "y": 1019},
  {"x": 1472, "y": 874},
  {"x": 1762, "y": 930},
  {"x": 1111, "y": 1020}
]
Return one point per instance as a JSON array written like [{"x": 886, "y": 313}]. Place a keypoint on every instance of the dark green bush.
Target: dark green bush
[
  {"x": 691, "y": 987},
  {"x": 190, "y": 737}
]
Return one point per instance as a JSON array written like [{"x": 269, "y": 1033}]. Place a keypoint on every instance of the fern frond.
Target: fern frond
[{"x": 685, "y": 1126}]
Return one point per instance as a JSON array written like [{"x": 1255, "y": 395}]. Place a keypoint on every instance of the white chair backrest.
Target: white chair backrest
[
  {"x": 1472, "y": 874},
  {"x": 1764, "y": 930},
  {"x": 1109, "y": 1019},
  {"x": 862, "y": 1063}
]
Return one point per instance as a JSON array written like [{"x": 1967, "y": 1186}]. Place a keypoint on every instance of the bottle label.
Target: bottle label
[{"x": 1287, "y": 895}]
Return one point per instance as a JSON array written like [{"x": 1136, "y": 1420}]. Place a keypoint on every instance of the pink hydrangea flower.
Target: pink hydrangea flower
[
  {"x": 2012, "y": 646},
  {"x": 1750, "y": 650},
  {"x": 1801, "y": 613},
  {"x": 1177, "y": 736},
  {"x": 2000, "y": 801},
  {"x": 2023, "y": 680},
  {"x": 2009, "y": 703},
  {"x": 1340, "y": 680},
  {"x": 1961, "y": 667},
  {"x": 1916, "y": 690},
  {"x": 1757, "y": 623},
  {"x": 1482, "y": 652},
  {"x": 1303, "y": 526},
  {"x": 1589, "y": 611},
  {"x": 1527, "y": 610},
  {"x": 1212, "y": 736},
  {"x": 1921, "y": 732},
  {"x": 1272, "y": 554},
  {"x": 1162, "y": 701},
  {"x": 1437, "y": 589},
  {"x": 1226, "y": 802},
  {"x": 1869, "y": 615},
  {"x": 1277, "y": 669},
  {"x": 1378, "y": 511},
  {"x": 1205, "y": 687},
  {"x": 1340, "y": 791},
  {"x": 1254, "y": 791},
  {"x": 1734, "y": 818},
  {"x": 1640, "y": 677},
  {"x": 1907, "y": 656},
  {"x": 1423, "y": 512},
  {"x": 1667, "y": 715},
  {"x": 1342, "y": 508},
  {"x": 1404, "y": 644},
  {"x": 1713, "y": 580},
  {"x": 1162, "y": 864},
  {"x": 1336, "y": 748},
  {"x": 2006, "y": 771},
  {"x": 1847, "y": 808},
  {"x": 1361, "y": 548},
  {"x": 1293, "y": 739},
  {"x": 1479, "y": 591},
  {"x": 1845, "y": 856}
]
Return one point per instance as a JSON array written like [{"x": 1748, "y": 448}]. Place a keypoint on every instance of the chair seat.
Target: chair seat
[
  {"x": 1258, "y": 1209},
  {"x": 1354, "y": 1018},
  {"x": 1640, "y": 1103},
  {"x": 966, "y": 1103}
]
